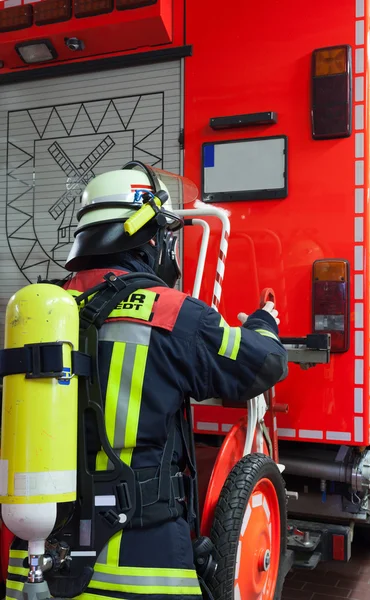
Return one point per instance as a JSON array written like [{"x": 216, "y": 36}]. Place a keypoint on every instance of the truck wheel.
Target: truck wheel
[{"x": 249, "y": 532}]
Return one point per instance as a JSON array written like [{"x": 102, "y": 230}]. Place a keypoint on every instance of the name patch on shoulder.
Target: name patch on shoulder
[{"x": 138, "y": 306}]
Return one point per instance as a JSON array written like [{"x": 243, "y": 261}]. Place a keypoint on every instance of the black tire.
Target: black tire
[{"x": 228, "y": 520}]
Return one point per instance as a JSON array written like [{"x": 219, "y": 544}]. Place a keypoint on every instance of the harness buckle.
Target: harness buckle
[
  {"x": 37, "y": 360},
  {"x": 123, "y": 495},
  {"x": 180, "y": 496},
  {"x": 111, "y": 517}
]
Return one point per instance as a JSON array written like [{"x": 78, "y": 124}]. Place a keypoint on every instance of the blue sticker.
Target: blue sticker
[
  {"x": 138, "y": 197},
  {"x": 209, "y": 156},
  {"x": 66, "y": 373}
]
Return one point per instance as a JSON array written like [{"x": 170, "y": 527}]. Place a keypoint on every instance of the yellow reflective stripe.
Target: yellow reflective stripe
[
  {"x": 114, "y": 546},
  {"x": 236, "y": 346},
  {"x": 222, "y": 322},
  {"x": 17, "y": 570},
  {"x": 225, "y": 337},
  {"x": 111, "y": 400},
  {"x": 18, "y": 554},
  {"x": 14, "y": 585},
  {"x": 147, "y": 589},
  {"x": 230, "y": 340},
  {"x": 14, "y": 590},
  {"x": 266, "y": 333},
  {"x": 122, "y": 429},
  {"x": 140, "y": 579},
  {"x": 146, "y": 571},
  {"x": 113, "y": 387},
  {"x": 134, "y": 403},
  {"x": 101, "y": 461},
  {"x": 89, "y": 596},
  {"x": 138, "y": 306}
]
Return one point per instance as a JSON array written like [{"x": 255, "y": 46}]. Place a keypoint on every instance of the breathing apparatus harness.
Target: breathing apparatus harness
[{"x": 139, "y": 501}]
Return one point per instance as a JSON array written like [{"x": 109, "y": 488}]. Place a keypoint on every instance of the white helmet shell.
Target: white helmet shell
[
  {"x": 114, "y": 196},
  {"x": 109, "y": 200}
]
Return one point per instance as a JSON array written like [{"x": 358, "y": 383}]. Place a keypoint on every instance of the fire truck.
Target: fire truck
[{"x": 265, "y": 107}]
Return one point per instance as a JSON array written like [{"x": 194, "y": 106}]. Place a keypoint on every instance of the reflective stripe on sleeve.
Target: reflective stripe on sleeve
[
  {"x": 230, "y": 340},
  {"x": 267, "y": 333}
]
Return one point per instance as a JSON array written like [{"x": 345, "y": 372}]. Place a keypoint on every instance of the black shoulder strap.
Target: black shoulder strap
[{"x": 116, "y": 290}]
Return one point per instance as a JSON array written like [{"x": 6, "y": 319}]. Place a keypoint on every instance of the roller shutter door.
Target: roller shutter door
[{"x": 58, "y": 133}]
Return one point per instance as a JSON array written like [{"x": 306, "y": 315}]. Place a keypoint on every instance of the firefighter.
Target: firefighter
[{"x": 156, "y": 349}]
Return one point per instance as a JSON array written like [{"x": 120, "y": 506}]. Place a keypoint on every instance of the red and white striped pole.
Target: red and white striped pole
[
  {"x": 220, "y": 271},
  {"x": 207, "y": 210}
]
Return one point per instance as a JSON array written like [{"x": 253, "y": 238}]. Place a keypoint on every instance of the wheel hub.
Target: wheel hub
[{"x": 265, "y": 560}]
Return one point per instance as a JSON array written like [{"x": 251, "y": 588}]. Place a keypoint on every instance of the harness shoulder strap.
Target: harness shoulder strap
[{"x": 116, "y": 290}]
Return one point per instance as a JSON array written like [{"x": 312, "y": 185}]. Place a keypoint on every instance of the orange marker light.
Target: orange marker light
[{"x": 330, "y": 61}]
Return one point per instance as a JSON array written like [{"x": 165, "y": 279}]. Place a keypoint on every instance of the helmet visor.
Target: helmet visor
[{"x": 182, "y": 191}]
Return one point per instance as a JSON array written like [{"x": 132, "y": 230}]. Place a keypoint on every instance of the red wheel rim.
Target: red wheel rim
[
  {"x": 230, "y": 453},
  {"x": 258, "y": 555}
]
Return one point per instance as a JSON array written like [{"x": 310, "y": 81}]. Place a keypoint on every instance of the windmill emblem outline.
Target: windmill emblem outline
[
  {"x": 43, "y": 164},
  {"x": 77, "y": 178}
]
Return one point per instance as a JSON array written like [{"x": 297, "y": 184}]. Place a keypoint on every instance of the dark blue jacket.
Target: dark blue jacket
[{"x": 199, "y": 356}]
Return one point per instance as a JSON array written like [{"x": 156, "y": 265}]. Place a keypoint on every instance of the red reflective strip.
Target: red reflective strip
[
  {"x": 218, "y": 277},
  {"x": 338, "y": 547},
  {"x": 222, "y": 256},
  {"x": 141, "y": 187}
]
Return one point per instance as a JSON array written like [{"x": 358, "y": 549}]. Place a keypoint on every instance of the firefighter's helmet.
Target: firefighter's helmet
[{"x": 123, "y": 210}]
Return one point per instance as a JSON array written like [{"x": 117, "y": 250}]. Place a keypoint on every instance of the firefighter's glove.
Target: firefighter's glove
[{"x": 269, "y": 307}]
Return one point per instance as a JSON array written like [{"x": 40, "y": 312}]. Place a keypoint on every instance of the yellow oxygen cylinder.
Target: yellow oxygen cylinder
[{"x": 39, "y": 417}]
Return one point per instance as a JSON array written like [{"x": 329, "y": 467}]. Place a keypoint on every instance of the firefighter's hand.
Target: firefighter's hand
[
  {"x": 269, "y": 307},
  {"x": 242, "y": 318}
]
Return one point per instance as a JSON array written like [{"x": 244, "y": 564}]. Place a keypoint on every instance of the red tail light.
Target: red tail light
[
  {"x": 15, "y": 17},
  {"x": 91, "y": 8},
  {"x": 127, "y": 4},
  {"x": 52, "y": 11},
  {"x": 331, "y": 301},
  {"x": 331, "y": 93}
]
